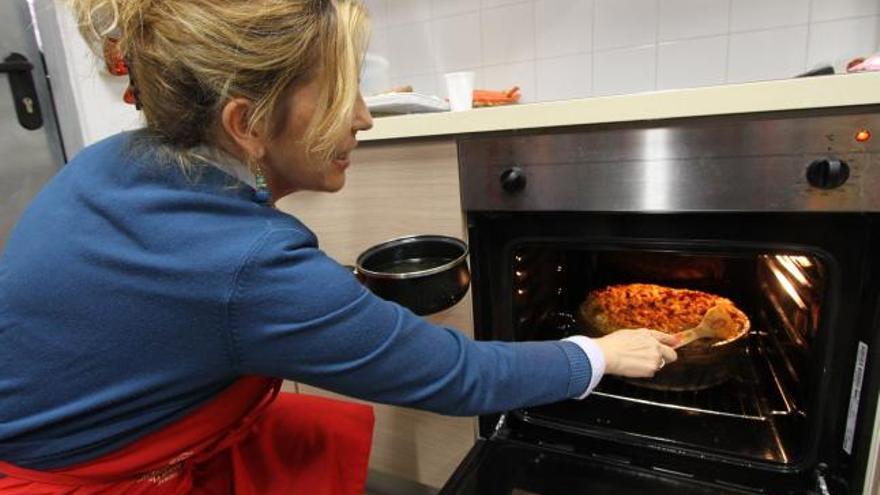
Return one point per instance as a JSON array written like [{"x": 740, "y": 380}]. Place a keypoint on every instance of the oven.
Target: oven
[{"x": 777, "y": 212}]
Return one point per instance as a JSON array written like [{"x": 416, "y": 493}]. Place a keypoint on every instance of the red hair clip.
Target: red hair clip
[
  {"x": 113, "y": 58},
  {"x": 117, "y": 65}
]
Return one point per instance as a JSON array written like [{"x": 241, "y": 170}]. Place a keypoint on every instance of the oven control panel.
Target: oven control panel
[{"x": 822, "y": 160}]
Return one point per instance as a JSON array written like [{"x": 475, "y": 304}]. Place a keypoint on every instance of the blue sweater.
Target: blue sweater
[{"x": 131, "y": 293}]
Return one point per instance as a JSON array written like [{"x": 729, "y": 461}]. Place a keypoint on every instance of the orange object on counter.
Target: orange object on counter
[{"x": 488, "y": 98}]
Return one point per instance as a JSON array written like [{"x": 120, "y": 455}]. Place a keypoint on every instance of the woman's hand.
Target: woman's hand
[{"x": 636, "y": 353}]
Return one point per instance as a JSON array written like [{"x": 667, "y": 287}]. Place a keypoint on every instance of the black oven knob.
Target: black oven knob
[
  {"x": 828, "y": 173},
  {"x": 513, "y": 179}
]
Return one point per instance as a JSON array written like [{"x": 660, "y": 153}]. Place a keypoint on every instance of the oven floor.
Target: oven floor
[{"x": 503, "y": 468}]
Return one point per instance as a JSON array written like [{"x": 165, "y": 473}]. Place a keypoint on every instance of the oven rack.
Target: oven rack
[{"x": 754, "y": 393}]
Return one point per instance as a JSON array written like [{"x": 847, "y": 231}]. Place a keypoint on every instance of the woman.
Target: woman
[{"x": 151, "y": 299}]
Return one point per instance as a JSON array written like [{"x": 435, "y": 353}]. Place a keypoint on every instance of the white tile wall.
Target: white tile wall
[
  {"x": 495, "y": 3},
  {"x": 628, "y": 70},
  {"x": 563, "y": 27},
  {"x": 407, "y": 11},
  {"x": 561, "y": 49},
  {"x": 458, "y": 42},
  {"x": 826, "y": 10},
  {"x": 746, "y": 15},
  {"x": 771, "y": 54},
  {"x": 692, "y": 63},
  {"x": 379, "y": 43},
  {"x": 565, "y": 78},
  {"x": 680, "y": 19},
  {"x": 509, "y": 33},
  {"x": 410, "y": 49},
  {"x": 442, "y": 8},
  {"x": 621, "y": 23}
]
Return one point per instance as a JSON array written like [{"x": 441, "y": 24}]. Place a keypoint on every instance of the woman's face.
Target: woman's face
[{"x": 289, "y": 168}]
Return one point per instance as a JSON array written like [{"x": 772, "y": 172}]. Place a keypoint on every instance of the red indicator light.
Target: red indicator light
[{"x": 863, "y": 136}]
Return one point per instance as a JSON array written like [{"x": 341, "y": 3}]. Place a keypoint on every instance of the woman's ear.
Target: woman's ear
[{"x": 234, "y": 119}]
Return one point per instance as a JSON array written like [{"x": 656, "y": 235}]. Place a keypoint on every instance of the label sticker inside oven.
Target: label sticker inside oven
[{"x": 855, "y": 393}]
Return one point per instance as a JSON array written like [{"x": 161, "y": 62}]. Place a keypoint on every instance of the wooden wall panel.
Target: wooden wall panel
[{"x": 394, "y": 190}]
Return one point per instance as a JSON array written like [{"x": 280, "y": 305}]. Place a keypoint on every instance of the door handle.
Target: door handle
[{"x": 24, "y": 92}]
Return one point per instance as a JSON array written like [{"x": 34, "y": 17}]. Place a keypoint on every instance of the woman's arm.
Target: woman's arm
[{"x": 297, "y": 314}]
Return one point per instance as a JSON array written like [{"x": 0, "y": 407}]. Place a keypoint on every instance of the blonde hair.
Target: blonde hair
[{"x": 189, "y": 57}]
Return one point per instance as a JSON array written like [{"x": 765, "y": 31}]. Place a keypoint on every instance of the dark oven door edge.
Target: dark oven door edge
[{"x": 504, "y": 466}]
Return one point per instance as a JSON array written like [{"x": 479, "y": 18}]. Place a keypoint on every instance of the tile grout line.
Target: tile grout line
[
  {"x": 656, "y": 45},
  {"x": 806, "y": 61},
  {"x": 593, "y": 47},
  {"x": 533, "y": 60},
  {"x": 729, "y": 41}
]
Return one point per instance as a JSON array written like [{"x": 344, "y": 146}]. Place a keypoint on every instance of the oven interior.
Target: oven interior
[{"x": 760, "y": 410}]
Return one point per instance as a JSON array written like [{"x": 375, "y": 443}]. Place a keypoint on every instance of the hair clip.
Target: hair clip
[
  {"x": 132, "y": 95},
  {"x": 113, "y": 58}
]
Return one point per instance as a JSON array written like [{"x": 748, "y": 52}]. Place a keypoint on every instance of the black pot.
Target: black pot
[{"x": 425, "y": 273}]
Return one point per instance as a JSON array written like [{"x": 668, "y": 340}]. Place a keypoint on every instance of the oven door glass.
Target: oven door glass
[{"x": 743, "y": 394}]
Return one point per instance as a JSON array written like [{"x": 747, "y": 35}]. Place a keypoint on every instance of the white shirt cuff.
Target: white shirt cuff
[{"x": 596, "y": 358}]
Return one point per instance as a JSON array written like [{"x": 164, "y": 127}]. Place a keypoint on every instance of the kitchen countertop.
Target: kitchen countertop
[{"x": 769, "y": 96}]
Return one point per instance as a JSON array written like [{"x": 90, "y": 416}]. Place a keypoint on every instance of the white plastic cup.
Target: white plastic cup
[{"x": 460, "y": 86}]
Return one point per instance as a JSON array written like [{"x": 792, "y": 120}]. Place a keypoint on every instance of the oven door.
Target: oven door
[
  {"x": 509, "y": 467},
  {"x": 781, "y": 420}
]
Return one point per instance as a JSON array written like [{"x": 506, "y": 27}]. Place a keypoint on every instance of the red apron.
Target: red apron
[{"x": 248, "y": 440}]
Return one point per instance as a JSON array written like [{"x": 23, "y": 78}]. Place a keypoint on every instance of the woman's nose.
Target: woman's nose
[{"x": 363, "y": 120}]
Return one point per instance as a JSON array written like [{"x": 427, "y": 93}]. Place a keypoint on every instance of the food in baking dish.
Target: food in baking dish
[{"x": 652, "y": 306}]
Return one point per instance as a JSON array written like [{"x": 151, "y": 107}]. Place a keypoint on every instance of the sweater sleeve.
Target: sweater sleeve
[{"x": 297, "y": 314}]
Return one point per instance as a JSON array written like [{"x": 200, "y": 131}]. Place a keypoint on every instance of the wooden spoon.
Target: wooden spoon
[{"x": 716, "y": 323}]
